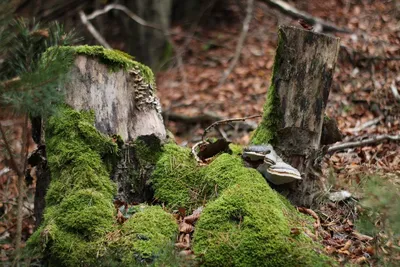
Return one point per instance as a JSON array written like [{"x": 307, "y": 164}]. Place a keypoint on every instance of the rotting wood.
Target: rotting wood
[
  {"x": 114, "y": 97},
  {"x": 294, "y": 112}
]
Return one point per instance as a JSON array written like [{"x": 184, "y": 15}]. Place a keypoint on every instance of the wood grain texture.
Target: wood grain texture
[
  {"x": 296, "y": 101},
  {"x": 302, "y": 81},
  {"x": 121, "y": 101}
]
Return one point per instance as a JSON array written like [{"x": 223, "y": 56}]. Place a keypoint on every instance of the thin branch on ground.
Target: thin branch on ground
[
  {"x": 13, "y": 163},
  {"x": 377, "y": 58},
  {"x": 294, "y": 13},
  {"x": 204, "y": 118},
  {"x": 367, "y": 124},
  {"x": 394, "y": 90},
  {"x": 222, "y": 122},
  {"x": 239, "y": 46},
  {"x": 373, "y": 140}
]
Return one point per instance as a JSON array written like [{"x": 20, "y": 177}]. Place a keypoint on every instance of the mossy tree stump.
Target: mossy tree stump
[
  {"x": 121, "y": 94},
  {"x": 243, "y": 222},
  {"x": 294, "y": 111}
]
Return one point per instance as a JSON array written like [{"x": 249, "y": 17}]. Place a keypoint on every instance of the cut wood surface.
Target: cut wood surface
[{"x": 122, "y": 102}]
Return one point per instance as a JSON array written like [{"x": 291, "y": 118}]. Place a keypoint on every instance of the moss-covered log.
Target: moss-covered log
[{"x": 296, "y": 100}]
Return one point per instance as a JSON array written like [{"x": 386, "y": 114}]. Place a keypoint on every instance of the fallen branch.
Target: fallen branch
[
  {"x": 124, "y": 9},
  {"x": 367, "y": 124},
  {"x": 377, "y": 58},
  {"x": 239, "y": 46},
  {"x": 204, "y": 118},
  {"x": 394, "y": 90},
  {"x": 221, "y": 122},
  {"x": 319, "y": 24},
  {"x": 369, "y": 141}
]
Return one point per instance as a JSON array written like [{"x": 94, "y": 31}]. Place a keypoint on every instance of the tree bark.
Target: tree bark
[
  {"x": 296, "y": 101},
  {"x": 125, "y": 105}
]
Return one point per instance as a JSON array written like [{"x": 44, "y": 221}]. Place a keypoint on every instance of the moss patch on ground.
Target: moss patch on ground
[
  {"x": 146, "y": 234},
  {"x": 177, "y": 179},
  {"x": 246, "y": 227},
  {"x": 244, "y": 222}
]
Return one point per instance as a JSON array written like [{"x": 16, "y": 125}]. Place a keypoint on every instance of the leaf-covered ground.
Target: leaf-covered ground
[{"x": 362, "y": 100}]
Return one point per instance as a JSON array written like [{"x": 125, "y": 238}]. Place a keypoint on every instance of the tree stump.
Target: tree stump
[
  {"x": 294, "y": 111},
  {"x": 125, "y": 106}
]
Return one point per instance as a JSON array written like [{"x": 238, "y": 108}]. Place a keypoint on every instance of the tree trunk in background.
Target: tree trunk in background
[
  {"x": 303, "y": 71},
  {"x": 147, "y": 44}
]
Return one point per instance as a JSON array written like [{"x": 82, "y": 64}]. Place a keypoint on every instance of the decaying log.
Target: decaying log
[{"x": 296, "y": 101}]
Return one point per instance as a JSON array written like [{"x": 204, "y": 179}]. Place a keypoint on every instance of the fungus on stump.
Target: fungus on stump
[
  {"x": 121, "y": 94},
  {"x": 296, "y": 100}
]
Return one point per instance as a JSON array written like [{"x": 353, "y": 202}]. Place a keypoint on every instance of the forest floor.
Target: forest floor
[{"x": 362, "y": 100}]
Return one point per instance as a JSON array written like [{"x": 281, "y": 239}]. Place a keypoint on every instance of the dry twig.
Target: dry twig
[
  {"x": 239, "y": 46},
  {"x": 373, "y": 140},
  {"x": 367, "y": 124},
  {"x": 221, "y": 122},
  {"x": 92, "y": 30},
  {"x": 319, "y": 24},
  {"x": 394, "y": 90}
]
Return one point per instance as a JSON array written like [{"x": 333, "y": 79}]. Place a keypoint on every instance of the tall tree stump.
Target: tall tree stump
[{"x": 296, "y": 100}]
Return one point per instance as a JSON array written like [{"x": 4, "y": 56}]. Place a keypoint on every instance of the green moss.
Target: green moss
[
  {"x": 114, "y": 59},
  {"x": 145, "y": 235},
  {"x": 177, "y": 177},
  {"x": 246, "y": 227},
  {"x": 147, "y": 153},
  {"x": 227, "y": 170},
  {"x": 76, "y": 153},
  {"x": 86, "y": 212},
  {"x": 266, "y": 132},
  {"x": 236, "y": 149},
  {"x": 79, "y": 208}
]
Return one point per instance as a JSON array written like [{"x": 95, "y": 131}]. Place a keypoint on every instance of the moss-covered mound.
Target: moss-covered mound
[
  {"x": 80, "y": 218},
  {"x": 246, "y": 226},
  {"x": 244, "y": 222},
  {"x": 177, "y": 179},
  {"x": 146, "y": 234}
]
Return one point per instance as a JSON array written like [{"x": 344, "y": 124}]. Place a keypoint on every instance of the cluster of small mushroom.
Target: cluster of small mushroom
[
  {"x": 186, "y": 228},
  {"x": 145, "y": 97}
]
